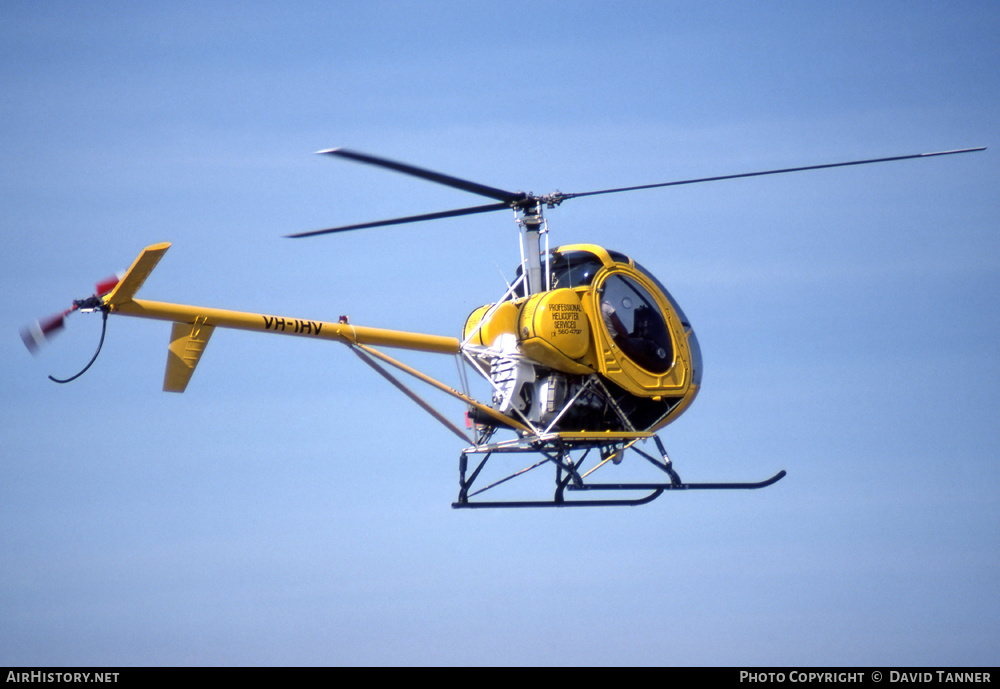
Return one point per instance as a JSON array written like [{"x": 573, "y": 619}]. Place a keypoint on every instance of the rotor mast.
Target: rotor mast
[{"x": 532, "y": 226}]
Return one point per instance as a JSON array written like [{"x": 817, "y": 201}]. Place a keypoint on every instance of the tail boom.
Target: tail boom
[
  {"x": 194, "y": 325},
  {"x": 281, "y": 325}
]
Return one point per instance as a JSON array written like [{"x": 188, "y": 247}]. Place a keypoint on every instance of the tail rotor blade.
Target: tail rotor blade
[
  {"x": 107, "y": 284},
  {"x": 41, "y": 331}
]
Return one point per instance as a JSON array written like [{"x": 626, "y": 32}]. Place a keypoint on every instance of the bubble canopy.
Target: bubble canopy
[{"x": 630, "y": 313}]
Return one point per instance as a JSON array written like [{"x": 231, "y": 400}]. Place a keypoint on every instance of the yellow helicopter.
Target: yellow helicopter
[{"x": 586, "y": 354}]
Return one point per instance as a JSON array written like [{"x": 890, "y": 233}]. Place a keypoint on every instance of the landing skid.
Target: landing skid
[{"x": 557, "y": 450}]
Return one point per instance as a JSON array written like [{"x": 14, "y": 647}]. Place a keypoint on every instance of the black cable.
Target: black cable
[{"x": 104, "y": 328}]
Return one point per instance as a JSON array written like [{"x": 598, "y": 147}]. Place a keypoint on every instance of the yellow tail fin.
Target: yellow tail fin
[{"x": 136, "y": 274}]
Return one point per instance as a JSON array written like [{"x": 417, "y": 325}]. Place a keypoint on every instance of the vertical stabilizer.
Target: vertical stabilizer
[{"x": 137, "y": 274}]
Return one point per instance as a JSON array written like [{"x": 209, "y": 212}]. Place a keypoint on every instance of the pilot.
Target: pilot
[{"x": 612, "y": 322}]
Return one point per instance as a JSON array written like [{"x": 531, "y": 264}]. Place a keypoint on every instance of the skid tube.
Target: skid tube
[{"x": 568, "y": 477}]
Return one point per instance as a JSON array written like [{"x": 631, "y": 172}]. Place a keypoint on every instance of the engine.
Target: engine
[{"x": 541, "y": 394}]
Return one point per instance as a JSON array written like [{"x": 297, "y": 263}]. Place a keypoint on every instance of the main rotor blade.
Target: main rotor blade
[
  {"x": 430, "y": 175},
  {"x": 562, "y": 197},
  {"x": 412, "y": 218}
]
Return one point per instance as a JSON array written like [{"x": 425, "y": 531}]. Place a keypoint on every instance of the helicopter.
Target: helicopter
[{"x": 586, "y": 355}]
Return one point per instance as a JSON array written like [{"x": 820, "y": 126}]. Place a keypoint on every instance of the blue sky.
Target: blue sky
[{"x": 292, "y": 508}]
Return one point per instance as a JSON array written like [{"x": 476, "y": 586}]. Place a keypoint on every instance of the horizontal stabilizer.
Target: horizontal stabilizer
[
  {"x": 187, "y": 342},
  {"x": 137, "y": 274}
]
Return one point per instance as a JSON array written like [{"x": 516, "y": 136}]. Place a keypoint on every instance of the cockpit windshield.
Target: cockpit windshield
[
  {"x": 634, "y": 322},
  {"x": 693, "y": 345}
]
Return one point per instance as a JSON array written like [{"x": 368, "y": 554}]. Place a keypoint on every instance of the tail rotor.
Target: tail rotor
[{"x": 38, "y": 334}]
